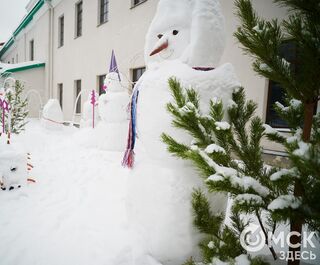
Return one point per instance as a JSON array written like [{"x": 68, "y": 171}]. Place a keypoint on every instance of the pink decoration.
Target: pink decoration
[
  {"x": 104, "y": 87},
  {"x": 5, "y": 107},
  {"x": 93, "y": 102}
]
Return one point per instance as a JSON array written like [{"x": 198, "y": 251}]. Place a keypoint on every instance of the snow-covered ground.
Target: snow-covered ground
[{"x": 75, "y": 213}]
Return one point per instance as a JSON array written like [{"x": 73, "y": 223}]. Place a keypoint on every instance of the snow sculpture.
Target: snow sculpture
[
  {"x": 13, "y": 166},
  {"x": 113, "y": 112},
  {"x": 52, "y": 116},
  {"x": 186, "y": 40}
]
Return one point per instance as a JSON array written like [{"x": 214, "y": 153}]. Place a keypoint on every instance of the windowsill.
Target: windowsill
[
  {"x": 133, "y": 6},
  {"x": 60, "y": 46},
  {"x": 285, "y": 130},
  {"x": 76, "y": 37},
  {"x": 275, "y": 153},
  {"x": 102, "y": 23}
]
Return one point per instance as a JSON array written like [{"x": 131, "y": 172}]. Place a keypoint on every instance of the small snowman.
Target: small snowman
[
  {"x": 13, "y": 166},
  {"x": 186, "y": 40},
  {"x": 52, "y": 115},
  {"x": 113, "y": 112}
]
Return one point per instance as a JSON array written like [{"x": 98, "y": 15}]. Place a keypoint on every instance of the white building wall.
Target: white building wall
[
  {"x": 34, "y": 83},
  {"x": 88, "y": 56}
]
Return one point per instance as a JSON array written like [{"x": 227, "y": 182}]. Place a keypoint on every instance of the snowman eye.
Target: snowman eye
[
  {"x": 160, "y": 36},
  {"x": 13, "y": 169},
  {"x": 175, "y": 32}
]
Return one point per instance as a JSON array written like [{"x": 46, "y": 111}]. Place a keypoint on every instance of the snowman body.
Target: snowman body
[
  {"x": 13, "y": 167},
  {"x": 159, "y": 194},
  {"x": 185, "y": 34},
  {"x": 113, "y": 112},
  {"x": 52, "y": 115}
]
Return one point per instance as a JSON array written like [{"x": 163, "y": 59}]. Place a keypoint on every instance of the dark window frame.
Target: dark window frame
[
  {"x": 61, "y": 31},
  {"x": 103, "y": 11},
  {"x": 77, "y": 91},
  {"x": 135, "y": 3},
  {"x": 31, "y": 50},
  {"x": 276, "y": 91},
  {"x": 136, "y": 74},
  {"x": 79, "y": 18},
  {"x": 101, "y": 79},
  {"x": 60, "y": 94}
]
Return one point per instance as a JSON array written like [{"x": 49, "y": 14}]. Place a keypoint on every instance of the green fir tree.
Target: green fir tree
[
  {"x": 18, "y": 109},
  {"x": 262, "y": 40},
  {"x": 228, "y": 156}
]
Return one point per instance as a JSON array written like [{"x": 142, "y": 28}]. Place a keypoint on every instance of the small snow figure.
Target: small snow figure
[
  {"x": 113, "y": 112},
  {"x": 13, "y": 167},
  {"x": 52, "y": 115},
  {"x": 186, "y": 39}
]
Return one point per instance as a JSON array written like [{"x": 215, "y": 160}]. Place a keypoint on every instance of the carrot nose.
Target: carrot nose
[{"x": 161, "y": 47}]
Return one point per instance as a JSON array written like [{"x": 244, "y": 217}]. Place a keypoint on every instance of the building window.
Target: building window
[
  {"x": 31, "y": 50},
  {"x": 276, "y": 93},
  {"x": 137, "y": 73},
  {"x": 101, "y": 79},
  {"x": 103, "y": 11},
  {"x": 77, "y": 92},
  {"x": 136, "y": 2},
  {"x": 79, "y": 19},
  {"x": 61, "y": 31},
  {"x": 60, "y": 95},
  {"x": 12, "y": 60}
]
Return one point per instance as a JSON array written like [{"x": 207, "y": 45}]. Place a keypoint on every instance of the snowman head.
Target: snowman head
[
  {"x": 169, "y": 32},
  {"x": 113, "y": 83},
  {"x": 189, "y": 30},
  {"x": 13, "y": 167}
]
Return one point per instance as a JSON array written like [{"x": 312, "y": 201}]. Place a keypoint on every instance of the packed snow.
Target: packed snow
[
  {"x": 281, "y": 173},
  {"x": 284, "y": 201},
  {"x": 214, "y": 148}
]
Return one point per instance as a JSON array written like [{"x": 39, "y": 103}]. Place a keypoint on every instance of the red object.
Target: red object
[
  {"x": 160, "y": 48},
  {"x": 31, "y": 180}
]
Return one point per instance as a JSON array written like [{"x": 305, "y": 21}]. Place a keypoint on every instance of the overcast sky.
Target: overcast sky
[{"x": 11, "y": 13}]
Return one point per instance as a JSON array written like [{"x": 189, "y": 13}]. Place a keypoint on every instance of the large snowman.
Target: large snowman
[{"x": 186, "y": 39}]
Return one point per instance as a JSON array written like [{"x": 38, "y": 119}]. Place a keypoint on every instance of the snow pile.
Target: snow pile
[
  {"x": 74, "y": 214},
  {"x": 52, "y": 116}
]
